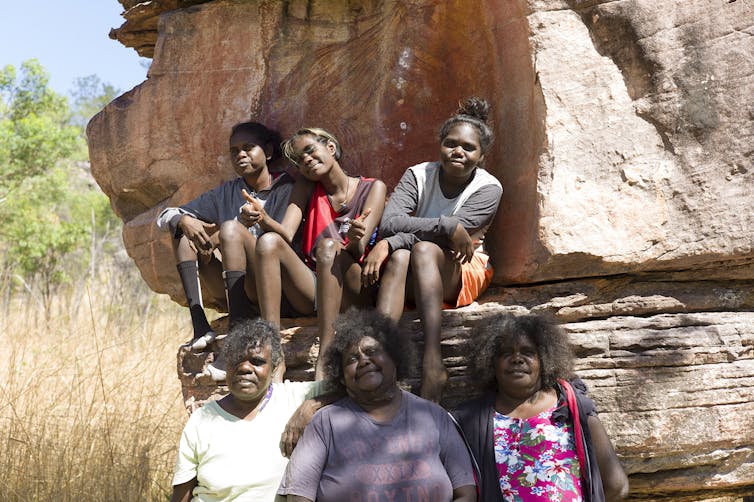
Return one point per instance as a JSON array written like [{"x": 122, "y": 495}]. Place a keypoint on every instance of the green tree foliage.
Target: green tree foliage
[
  {"x": 54, "y": 220},
  {"x": 90, "y": 95},
  {"x": 35, "y": 132},
  {"x": 42, "y": 239}
]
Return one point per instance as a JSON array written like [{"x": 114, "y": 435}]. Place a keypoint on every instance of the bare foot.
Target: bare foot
[{"x": 433, "y": 382}]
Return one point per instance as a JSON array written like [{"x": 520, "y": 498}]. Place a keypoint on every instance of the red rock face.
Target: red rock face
[
  {"x": 624, "y": 133},
  {"x": 623, "y": 128},
  {"x": 382, "y": 76},
  {"x": 387, "y": 84}
]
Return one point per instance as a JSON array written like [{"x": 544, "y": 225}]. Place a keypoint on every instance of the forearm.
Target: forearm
[
  {"x": 398, "y": 220},
  {"x": 402, "y": 241},
  {"x": 293, "y": 215},
  {"x": 424, "y": 228},
  {"x": 364, "y": 226},
  {"x": 270, "y": 225},
  {"x": 465, "y": 494},
  {"x": 168, "y": 220},
  {"x": 614, "y": 479},
  {"x": 311, "y": 406},
  {"x": 301, "y": 418},
  {"x": 356, "y": 249},
  {"x": 183, "y": 492}
]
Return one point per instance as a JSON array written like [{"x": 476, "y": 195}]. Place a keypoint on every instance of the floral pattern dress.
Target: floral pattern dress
[{"x": 536, "y": 459}]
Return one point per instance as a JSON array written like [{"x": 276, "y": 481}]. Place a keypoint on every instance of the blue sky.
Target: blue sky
[{"x": 69, "y": 38}]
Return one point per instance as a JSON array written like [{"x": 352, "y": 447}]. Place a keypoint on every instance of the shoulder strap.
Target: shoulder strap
[
  {"x": 577, "y": 432},
  {"x": 474, "y": 464}
]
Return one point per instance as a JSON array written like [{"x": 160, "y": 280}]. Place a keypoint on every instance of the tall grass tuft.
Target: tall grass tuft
[{"x": 90, "y": 404}]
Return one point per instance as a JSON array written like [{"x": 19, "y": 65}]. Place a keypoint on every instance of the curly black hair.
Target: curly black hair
[
  {"x": 249, "y": 334},
  {"x": 473, "y": 111},
  {"x": 555, "y": 356},
  {"x": 356, "y": 324}
]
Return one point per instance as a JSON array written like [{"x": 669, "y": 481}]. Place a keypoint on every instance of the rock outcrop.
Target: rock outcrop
[
  {"x": 675, "y": 390},
  {"x": 649, "y": 129},
  {"x": 624, "y": 128},
  {"x": 624, "y": 133}
]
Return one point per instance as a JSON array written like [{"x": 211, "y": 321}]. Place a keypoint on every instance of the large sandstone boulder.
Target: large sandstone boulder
[
  {"x": 647, "y": 162},
  {"x": 624, "y": 133},
  {"x": 624, "y": 127},
  {"x": 381, "y": 76}
]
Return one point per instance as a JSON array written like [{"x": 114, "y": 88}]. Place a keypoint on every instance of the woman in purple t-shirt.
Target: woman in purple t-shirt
[{"x": 379, "y": 442}]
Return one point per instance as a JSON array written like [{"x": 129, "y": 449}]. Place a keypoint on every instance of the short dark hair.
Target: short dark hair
[
  {"x": 553, "y": 349},
  {"x": 268, "y": 136},
  {"x": 473, "y": 111},
  {"x": 250, "y": 334},
  {"x": 356, "y": 324}
]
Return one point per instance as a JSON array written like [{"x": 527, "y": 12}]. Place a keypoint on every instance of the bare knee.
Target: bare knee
[
  {"x": 232, "y": 232},
  {"x": 400, "y": 259},
  {"x": 423, "y": 253},
  {"x": 327, "y": 250},
  {"x": 269, "y": 244},
  {"x": 235, "y": 238},
  {"x": 397, "y": 267}
]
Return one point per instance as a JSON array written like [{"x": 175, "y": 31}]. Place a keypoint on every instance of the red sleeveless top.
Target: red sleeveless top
[{"x": 322, "y": 221}]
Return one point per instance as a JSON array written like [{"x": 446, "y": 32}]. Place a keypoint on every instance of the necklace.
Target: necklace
[{"x": 341, "y": 205}]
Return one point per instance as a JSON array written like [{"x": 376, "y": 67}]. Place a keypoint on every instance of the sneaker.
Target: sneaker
[
  {"x": 201, "y": 343},
  {"x": 216, "y": 371}
]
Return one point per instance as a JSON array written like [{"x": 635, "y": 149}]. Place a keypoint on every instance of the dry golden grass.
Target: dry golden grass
[{"x": 90, "y": 404}]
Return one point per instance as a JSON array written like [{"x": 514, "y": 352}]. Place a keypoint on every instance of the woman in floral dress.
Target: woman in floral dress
[{"x": 536, "y": 436}]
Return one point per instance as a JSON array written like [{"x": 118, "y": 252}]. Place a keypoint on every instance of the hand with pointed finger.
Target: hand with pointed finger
[
  {"x": 252, "y": 212},
  {"x": 248, "y": 216},
  {"x": 358, "y": 226}
]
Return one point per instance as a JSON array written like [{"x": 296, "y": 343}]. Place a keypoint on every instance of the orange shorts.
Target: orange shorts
[{"x": 475, "y": 277}]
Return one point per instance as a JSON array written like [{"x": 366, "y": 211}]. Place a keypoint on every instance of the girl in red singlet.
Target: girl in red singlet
[{"x": 339, "y": 215}]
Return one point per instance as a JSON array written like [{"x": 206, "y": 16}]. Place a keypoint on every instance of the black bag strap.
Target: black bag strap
[{"x": 474, "y": 463}]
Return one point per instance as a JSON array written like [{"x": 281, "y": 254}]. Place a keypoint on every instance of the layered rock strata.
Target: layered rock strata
[
  {"x": 624, "y": 133},
  {"x": 675, "y": 391}
]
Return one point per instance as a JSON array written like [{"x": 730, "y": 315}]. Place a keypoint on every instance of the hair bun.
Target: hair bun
[{"x": 474, "y": 107}]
